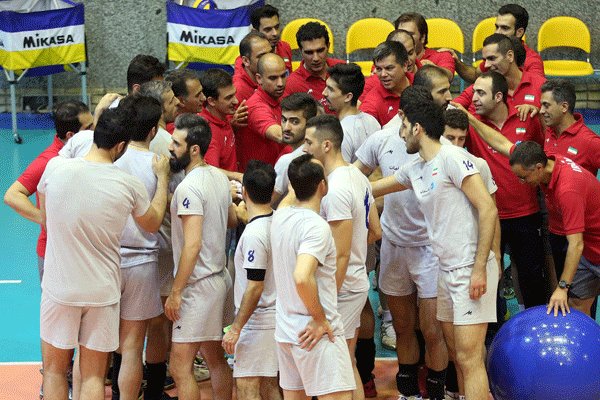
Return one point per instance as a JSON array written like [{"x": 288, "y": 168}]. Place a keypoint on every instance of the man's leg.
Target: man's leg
[
  {"x": 181, "y": 368},
  {"x": 248, "y": 388},
  {"x": 358, "y": 393},
  {"x": 296, "y": 395},
  {"x": 269, "y": 388},
  {"x": 448, "y": 330},
  {"x": 157, "y": 347},
  {"x": 469, "y": 342},
  {"x": 221, "y": 379},
  {"x": 336, "y": 396},
  {"x": 56, "y": 364},
  {"x": 583, "y": 305},
  {"x": 92, "y": 367},
  {"x": 437, "y": 354},
  {"x": 131, "y": 345}
]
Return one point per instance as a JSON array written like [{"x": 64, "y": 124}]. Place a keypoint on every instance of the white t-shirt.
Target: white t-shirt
[
  {"x": 297, "y": 231},
  {"x": 281, "y": 169},
  {"x": 87, "y": 205},
  {"x": 486, "y": 174},
  {"x": 451, "y": 218},
  {"x": 79, "y": 145},
  {"x": 138, "y": 246},
  {"x": 357, "y": 128},
  {"x": 349, "y": 196},
  {"x": 402, "y": 221},
  {"x": 395, "y": 123},
  {"x": 160, "y": 143},
  {"x": 254, "y": 252},
  {"x": 204, "y": 191}
]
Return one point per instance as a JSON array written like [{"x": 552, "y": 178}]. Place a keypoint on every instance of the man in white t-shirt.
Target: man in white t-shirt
[
  {"x": 313, "y": 356},
  {"x": 461, "y": 220},
  {"x": 140, "y": 297},
  {"x": 251, "y": 336},
  {"x": 342, "y": 90},
  {"x": 81, "y": 285},
  {"x": 296, "y": 109},
  {"x": 201, "y": 212},
  {"x": 349, "y": 209}
]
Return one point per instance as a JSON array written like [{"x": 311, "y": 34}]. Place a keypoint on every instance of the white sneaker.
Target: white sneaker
[
  {"x": 451, "y": 395},
  {"x": 417, "y": 397},
  {"x": 388, "y": 335},
  {"x": 201, "y": 372}
]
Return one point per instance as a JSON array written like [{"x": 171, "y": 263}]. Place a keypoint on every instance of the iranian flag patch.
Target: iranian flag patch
[
  {"x": 529, "y": 97},
  {"x": 572, "y": 150},
  {"x": 521, "y": 131}
]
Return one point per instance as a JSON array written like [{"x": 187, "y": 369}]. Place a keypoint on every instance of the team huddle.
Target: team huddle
[{"x": 313, "y": 178}]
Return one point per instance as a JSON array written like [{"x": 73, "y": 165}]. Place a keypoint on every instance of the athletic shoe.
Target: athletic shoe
[
  {"x": 201, "y": 372},
  {"x": 169, "y": 382},
  {"x": 165, "y": 396},
  {"x": 418, "y": 397},
  {"x": 388, "y": 335},
  {"x": 451, "y": 395},
  {"x": 369, "y": 388}
]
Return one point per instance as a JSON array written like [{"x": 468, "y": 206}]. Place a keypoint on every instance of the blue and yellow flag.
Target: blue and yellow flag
[
  {"x": 38, "y": 39},
  {"x": 206, "y": 35}
]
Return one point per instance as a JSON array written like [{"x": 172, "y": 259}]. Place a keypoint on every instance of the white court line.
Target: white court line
[
  {"x": 11, "y": 281},
  {"x": 21, "y": 363}
]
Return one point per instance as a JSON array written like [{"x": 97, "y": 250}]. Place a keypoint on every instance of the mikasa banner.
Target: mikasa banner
[
  {"x": 209, "y": 36},
  {"x": 37, "y": 39}
]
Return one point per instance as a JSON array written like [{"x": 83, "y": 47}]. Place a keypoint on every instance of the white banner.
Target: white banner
[
  {"x": 206, "y": 37},
  {"x": 37, "y": 40}
]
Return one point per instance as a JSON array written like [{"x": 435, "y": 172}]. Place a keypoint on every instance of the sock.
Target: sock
[
  {"x": 451, "y": 378},
  {"x": 155, "y": 380},
  {"x": 435, "y": 384},
  {"x": 421, "y": 340},
  {"x": 407, "y": 380},
  {"x": 386, "y": 316},
  {"x": 365, "y": 358},
  {"x": 115, "y": 376}
]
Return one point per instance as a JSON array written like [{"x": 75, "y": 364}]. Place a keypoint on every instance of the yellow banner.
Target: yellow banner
[
  {"x": 25, "y": 59},
  {"x": 223, "y": 55}
]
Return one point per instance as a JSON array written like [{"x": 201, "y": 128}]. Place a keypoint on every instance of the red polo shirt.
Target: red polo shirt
[
  {"x": 252, "y": 143},
  {"x": 221, "y": 151},
  {"x": 282, "y": 49},
  {"x": 301, "y": 80},
  {"x": 573, "y": 200},
  {"x": 440, "y": 58},
  {"x": 533, "y": 62},
  {"x": 372, "y": 80},
  {"x": 380, "y": 102},
  {"x": 31, "y": 177},
  {"x": 244, "y": 85},
  {"x": 577, "y": 142},
  {"x": 527, "y": 92},
  {"x": 513, "y": 198}
]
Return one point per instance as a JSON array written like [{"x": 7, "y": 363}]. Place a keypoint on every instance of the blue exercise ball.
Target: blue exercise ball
[{"x": 536, "y": 356}]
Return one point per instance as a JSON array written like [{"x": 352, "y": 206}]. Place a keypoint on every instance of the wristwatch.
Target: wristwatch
[{"x": 564, "y": 285}]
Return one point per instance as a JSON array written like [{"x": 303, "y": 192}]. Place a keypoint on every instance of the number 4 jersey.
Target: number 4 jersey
[{"x": 451, "y": 219}]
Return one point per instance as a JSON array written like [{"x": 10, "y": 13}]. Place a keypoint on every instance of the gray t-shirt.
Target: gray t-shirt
[
  {"x": 79, "y": 145},
  {"x": 349, "y": 197},
  {"x": 281, "y": 169},
  {"x": 451, "y": 219},
  {"x": 87, "y": 205},
  {"x": 357, "y": 128},
  {"x": 204, "y": 191},
  {"x": 254, "y": 252},
  {"x": 296, "y": 231},
  {"x": 402, "y": 221},
  {"x": 138, "y": 246}
]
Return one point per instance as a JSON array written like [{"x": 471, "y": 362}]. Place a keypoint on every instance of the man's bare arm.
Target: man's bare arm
[{"x": 17, "y": 198}]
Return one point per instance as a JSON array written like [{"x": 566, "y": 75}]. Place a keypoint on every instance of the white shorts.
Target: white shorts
[
  {"x": 405, "y": 270},
  {"x": 255, "y": 354},
  {"x": 165, "y": 271},
  {"x": 350, "y": 305},
  {"x": 140, "y": 297},
  {"x": 66, "y": 327},
  {"x": 201, "y": 312},
  {"x": 454, "y": 303},
  {"x": 325, "y": 369}
]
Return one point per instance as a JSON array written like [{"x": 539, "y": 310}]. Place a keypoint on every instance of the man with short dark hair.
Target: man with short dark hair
[
  {"x": 313, "y": 41},
  {"x": 572, "y": 195},
  {"x": 434, "y": 79},
  {"x": 265, "y": 20},
  {"x": 69, "y": 118},
  {"x": 390, "y": 59},
  {"x": 456, "y": 127},
  {"x": 201, "y": 212},
  {"x": 188, "y": 90},
  {"x": 512, "y": 21},
  {"x": 446, "y": 178},
  {"x": 343, "y": 88},
  {"x": 252, "y": 47},
  {"x": 251, "y": 335},
  {"x": 262, "y": 139},
  {"x": 143, "y": 68},
  {"x": 416, "y": 24},
  {"x": 81, "y": 285},
  {"x": 313, "y": 356}
]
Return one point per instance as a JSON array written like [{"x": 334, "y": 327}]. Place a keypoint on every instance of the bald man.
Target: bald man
[{"x": 262, "y": 138}]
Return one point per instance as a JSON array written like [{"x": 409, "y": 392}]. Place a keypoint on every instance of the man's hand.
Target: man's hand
[
  {"x": 478, "y": 283},
  {"x": 451, "y": 51},
  {"x": 172, "y": 306},
  {"x": 526, "y": 109},
  {"x": 230, "y": 340},
  {"x": 160, "y": 165},
  {"x": 559, "y": 300},
  {"x": 240, "y": 116},
  {"x": 241, "y": 212},
  {"x": 313, "y": 332},
  {"x": 425, "y": 62}
]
